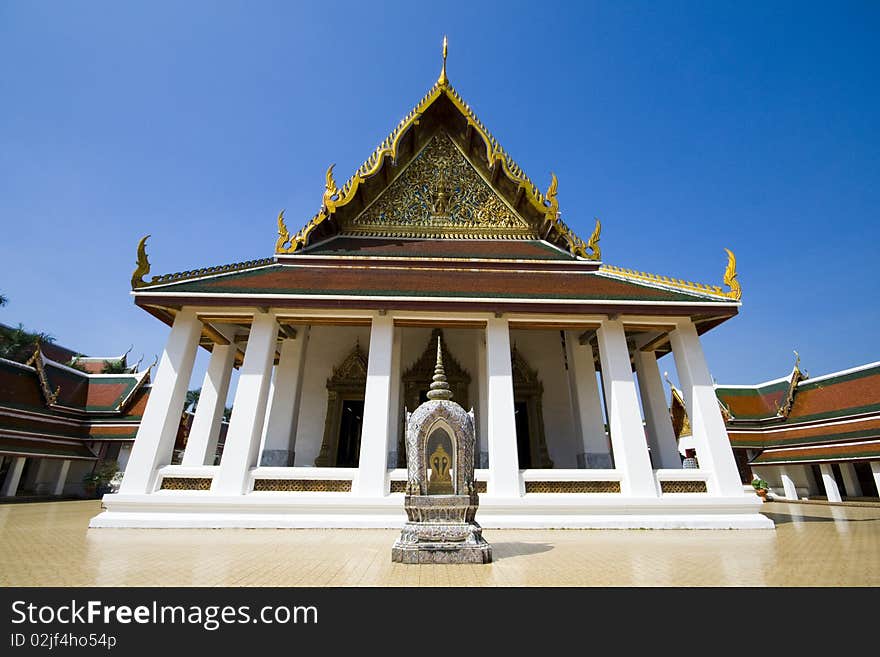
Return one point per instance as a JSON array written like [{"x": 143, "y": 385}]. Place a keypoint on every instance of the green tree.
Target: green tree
[
  {"x": 76, "y": 365},
  {"x": 114, "y": 367},
  {"x": 192, "y": 400},
  {"x": 18, "y": 344}
]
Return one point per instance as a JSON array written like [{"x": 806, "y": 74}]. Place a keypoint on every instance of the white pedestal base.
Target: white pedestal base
[{"x": 342, "y": 510}]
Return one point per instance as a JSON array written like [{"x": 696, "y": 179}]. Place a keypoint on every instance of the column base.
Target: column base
[{"x": 277, "y": 458}]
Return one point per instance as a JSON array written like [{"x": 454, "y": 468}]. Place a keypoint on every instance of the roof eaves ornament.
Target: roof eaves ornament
[
  {"x": 783, "y": 410},
  {"x": 143, "y": 265},
  {"x": 678, "y": 284},
  {"x": 730, "y": 281},
  {"x": 36, "y": 360},
  {"x": 283, "y": 234}
]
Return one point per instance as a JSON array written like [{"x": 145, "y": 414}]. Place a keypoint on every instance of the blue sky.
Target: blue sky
[{"x": 686, "y": 127}]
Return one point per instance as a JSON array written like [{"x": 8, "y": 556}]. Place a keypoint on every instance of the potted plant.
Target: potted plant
[
  {"x": 97, "y": 482},
  {"x": 761, "y": 487}
]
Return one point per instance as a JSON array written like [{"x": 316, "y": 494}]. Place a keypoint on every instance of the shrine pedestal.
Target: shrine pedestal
[{"x": 441, "y": 529}]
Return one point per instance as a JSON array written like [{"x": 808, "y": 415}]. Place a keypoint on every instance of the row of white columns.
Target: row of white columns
[
  {"x": 249, "y": 424},
  {"x": 10, "y": 483},
  {"x": 629, "y": 438}
]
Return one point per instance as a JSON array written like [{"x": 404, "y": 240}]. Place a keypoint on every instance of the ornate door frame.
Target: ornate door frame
[
  {"x": 529, "y": 389},
  {"x": 349, "y": 381}
]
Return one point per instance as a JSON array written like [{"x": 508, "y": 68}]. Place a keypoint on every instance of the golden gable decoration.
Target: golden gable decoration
[
  {"x": 439, "y": 194},
  {"x": 542, "y": 207}
]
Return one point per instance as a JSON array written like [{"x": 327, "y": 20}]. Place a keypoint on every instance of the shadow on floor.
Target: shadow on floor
[
  {"x": 22, "y": 499},
  {"x": 504, "y": 550},
  {"x": 784, "y": 518}
]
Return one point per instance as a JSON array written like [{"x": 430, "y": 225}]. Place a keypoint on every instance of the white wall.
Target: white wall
[
  {"x": 543, "y": 351},
  {"x": 328, "y": 347}
]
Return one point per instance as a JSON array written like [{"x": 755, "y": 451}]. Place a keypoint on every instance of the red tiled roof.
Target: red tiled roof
[
  {"x": 410, "y": 281},
  {"x": 824, "y": 453},
  {"x": 759, "y": 402},
  {"x": 785, "y": 434}
]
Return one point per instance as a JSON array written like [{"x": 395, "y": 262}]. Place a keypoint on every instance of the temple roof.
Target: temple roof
[
  {"x": 820, "y": 453},
  {"x": 842, "y": 407},
  {"x": 408, "y": 281},
  {"x": 42, "y": 384},
  {"x": 442, "y": 194},
  {"x": 840, "y": 394},
  {"x": 50, "y": 410},
  {"x": 443, "y": 175}
]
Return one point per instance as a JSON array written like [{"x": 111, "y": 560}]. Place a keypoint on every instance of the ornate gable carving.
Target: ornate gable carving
[
  {"x": 352, "y": 370},
  {"x": 440, "y": 194}
]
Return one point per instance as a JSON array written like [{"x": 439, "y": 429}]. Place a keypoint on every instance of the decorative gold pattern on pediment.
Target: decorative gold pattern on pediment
[
  {"x": 497, "y": 159},
  {"x": 440, "y": 194}
]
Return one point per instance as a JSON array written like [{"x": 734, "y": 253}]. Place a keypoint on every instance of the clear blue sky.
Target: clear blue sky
[{"x": 686, "y": 127}]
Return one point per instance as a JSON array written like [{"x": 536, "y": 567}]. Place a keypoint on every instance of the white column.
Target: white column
[
  {"x": 62, "y": 477},
  {"x": 588, "y": 405},
  {"x": 202, "y": 443},
  {"x": 394, "y": 398},
  {"x": 875, "y": 470},
  {"x": 13, "y": 476},
  {"x": 155, "y": 438},
  {"x": 278, "y": 448},
  {"x": 624, "y": 417},
  {"x": 661, "y": 436},
  {"x": 832, "y": 492},
  {"x": 788, "y": 486},
  {"x": 714, "y": 452},
  {"x": 248, "y": 409},
  {"x": 504, "y": 480},
  {"x": 482, "y": 427},
  {"x": 270, "y": 397},
  {"x": 372, "y": 462},
  {"x": 850, "y": 480}
]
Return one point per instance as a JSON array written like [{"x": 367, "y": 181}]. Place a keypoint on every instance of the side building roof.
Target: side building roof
[{"x": 839, "y": 410}]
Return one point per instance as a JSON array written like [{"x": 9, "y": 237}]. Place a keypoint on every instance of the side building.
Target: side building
[
  {"x": 60, "y": 417},
  {"x": 809, "y": 437}
]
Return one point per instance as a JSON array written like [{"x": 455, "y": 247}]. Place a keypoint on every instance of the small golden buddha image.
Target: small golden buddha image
[
  {"x": 440, "y": 462},
  {"x": 441, "y": 202}
]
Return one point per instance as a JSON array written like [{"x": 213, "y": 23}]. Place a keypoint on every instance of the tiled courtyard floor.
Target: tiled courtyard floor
[{"x": 49, "y": 544}]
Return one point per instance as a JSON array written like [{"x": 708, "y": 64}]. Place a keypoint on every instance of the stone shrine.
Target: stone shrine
[{"x": 441, "y": 495}]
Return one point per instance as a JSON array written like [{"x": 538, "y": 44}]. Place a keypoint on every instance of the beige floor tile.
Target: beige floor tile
[{"x": 49, "y": 544}]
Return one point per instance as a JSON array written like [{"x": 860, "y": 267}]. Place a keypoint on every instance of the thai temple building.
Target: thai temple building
[
  {"x": 439, "y": 234},
  {"x": 808, "y": 437},
  {"x": 60, "y": 416}
]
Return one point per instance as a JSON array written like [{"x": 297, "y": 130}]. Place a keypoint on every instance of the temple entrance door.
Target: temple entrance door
[
  {"x": 523, "y": 437},
  {"x": 350, "y": 425}
]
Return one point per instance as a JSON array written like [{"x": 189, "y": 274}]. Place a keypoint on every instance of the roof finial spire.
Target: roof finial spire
[
  {"x": 440, "y": 387},
  {"x": 443, "y": 80}
]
